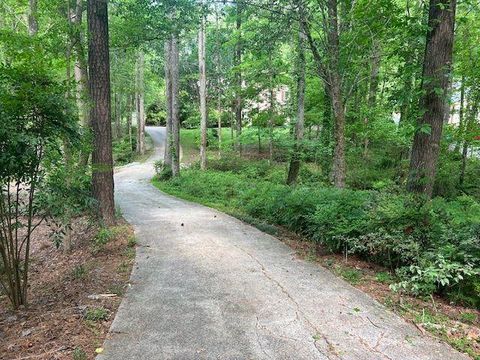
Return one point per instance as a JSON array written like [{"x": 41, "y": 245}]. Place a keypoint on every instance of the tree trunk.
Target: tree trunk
[
  {"x": 118, "y": 115},
  {"x": 238, "y": 78},
  {"x": 232, "y": 133},
  {"x": 203, "y": 95},
  {"x": 81, "y": 74},
  {"x": 99, "y": 85},
  {"x": 466, "y": 134},
  {"x": 167, "y": 160},
  {"x": 460, "y": 115},
  {"x": 435, "y": 80},
  {"x": 130, "y": 107},
  {"x": 271, "y": 117},
  {"x": 175, "y": 108},
  {"x": 372, "y": 91},
  {"x": 140, "y": 106},
  {"x": 219, "y": 96},
  {"x": 339, "y": 165},
  {"x": 32, "y": 18},
  {"x": 67, "y": 237},
  {"x": 294, "y": 168}
]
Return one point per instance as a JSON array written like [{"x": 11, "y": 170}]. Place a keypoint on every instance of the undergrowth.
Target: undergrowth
[{"x": 432, "y": 246}]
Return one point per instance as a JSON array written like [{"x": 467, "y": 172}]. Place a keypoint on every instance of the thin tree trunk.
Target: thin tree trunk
[
  {"x": 118, "y": 115},
  {"x": 130, "y": 107},
  {"x": 339, "y": 164},
  {"x": 232, "y": 133},
  {"x": 81, "y": 72},
  {"x": 259, "y": 137},
  {"x": 219, "y": 96},
  {"x": 203, "y": 95},
  {"x": 81, "y": 75},
  {"x": 168, "y": 95},
  {"x": 294, "y": 168},
  {"x": 436, "y": 73},
  {"x": 460, "y": 115},
  {"x": 469, "y": 121},
  {"x": 238, "y": 78},
  {"x": 32, "y": 18},
  {"x": 175, "y": 109},
  {"x": 99, "y": 85},
  {"x": 140, "y": 88},
  {"x": 67, "y": 238},
  {"x": 271, "y": 117},
  {"x": 372, "y": 91}
]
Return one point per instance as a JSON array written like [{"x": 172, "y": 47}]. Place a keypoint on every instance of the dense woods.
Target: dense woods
[{"x": 352, "y": 123}]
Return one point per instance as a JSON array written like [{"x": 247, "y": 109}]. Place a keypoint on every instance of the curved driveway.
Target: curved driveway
[{"x": 207, "y": 286}]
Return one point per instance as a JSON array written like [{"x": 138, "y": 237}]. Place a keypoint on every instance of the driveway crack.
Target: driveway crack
[{"x": 299, "y": 313}]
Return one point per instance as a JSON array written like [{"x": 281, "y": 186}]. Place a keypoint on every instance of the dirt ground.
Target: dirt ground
[{"x": 72, "y": 296}]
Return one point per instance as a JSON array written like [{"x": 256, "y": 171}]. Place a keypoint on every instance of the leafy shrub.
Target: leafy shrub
[
  {"x": 96, "y": 314},
  {"x": 162, "y": 171},
  {"x": 433, "y": 245},
  {"x": 79, "y": 354},
  {"x": 35, "y": 118},
  {"x": 433, "y": 272},
  {"x": 339, "y": 214},
  {"x": 79, "y": 272},
  {"x": 123, "y": 150},
  {"x": 105, "y": 235}
]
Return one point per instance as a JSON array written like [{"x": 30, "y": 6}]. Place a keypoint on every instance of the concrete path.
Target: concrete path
[{"x": 207, "y": 286}]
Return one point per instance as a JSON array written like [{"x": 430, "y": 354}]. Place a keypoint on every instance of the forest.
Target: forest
[{"x": 352, "y": 127}]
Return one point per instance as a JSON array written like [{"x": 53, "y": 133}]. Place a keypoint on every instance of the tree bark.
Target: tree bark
[
  {"x": 32, "y": 18},
  {"x": 99, "y": 85},
  {"x": 435, "y": 81},
  {"x": 339, "y": 164},
  {"x": 130, "y": 107},
  {"x": 460, "y": 115},
  {"x": 203, "y": 95},
  {"x": 238, "y": 78},
  {"x": 140, "y": 106},
  {"x": 271, "y": 115},
  {"x": 81, "y": 72},
  {"x": 167, "y": 160},
  {"x": 294, "y": 168},
  {"x": 219, "y": 96},
  {"x": 466, "y": 133},
  {"x": 175, "y": 108},
  {"x": 372, "y": 91},
  {"x": 118, "y": 115}
]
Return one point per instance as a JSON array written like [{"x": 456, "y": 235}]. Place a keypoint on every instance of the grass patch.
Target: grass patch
[
  {"x": 131, "y": 241},
  {"x": 384, "y": 277},
  {"x": 96, "y": 314},
  {"x": 352, "y": 276},
  {"x": 79, "y": 272},
  {"x": 106, "y": 235},
  {"x": 79, "y": 354}
]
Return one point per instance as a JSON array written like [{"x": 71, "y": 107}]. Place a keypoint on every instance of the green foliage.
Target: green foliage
[
  {"x": 79, "y": 272},
  {"x": 35, "y": 118},
  {"x": 124, "y": 149},
  {"x": 468, "y": 317},
  {"x": 96, "y": 314},
  {"x": 434, "y": 245},
  {"x": 162, "y": 171},
  {"x": 131, "y": 242},
  {"x": 105, "y": 235},
  {"x": 353, "y": 276},
  {"x": 79, "y": 354},
  {"x": 384, "y": 277}
]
